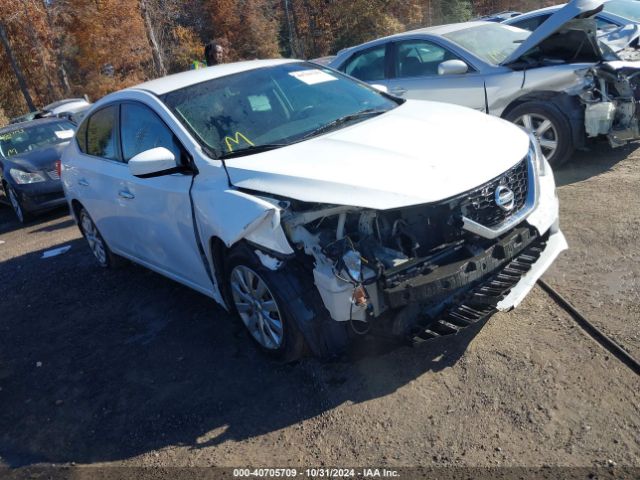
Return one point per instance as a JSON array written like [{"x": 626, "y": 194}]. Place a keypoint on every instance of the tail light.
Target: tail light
[{"x": 59, "y": 168}]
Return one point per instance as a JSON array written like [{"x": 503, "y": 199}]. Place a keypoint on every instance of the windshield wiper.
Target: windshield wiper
[
  {"x": 251, "y": 150},
  {"x": 370, "y": 112}
]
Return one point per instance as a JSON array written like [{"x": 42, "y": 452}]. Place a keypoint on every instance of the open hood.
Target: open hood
[
  {"x": 420, "y": 152},
  {"x": 562, "y": 36}
]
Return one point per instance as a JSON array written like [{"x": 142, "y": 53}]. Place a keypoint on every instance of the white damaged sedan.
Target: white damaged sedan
[{"x": 312, "y": 206}]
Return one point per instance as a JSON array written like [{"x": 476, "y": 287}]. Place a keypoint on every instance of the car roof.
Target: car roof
[
  {"x": 435, "y": 30},
  {"x": 31, "y": 123},
  {"x": 177, "y": 81},
  {"x": 64, "y": 101},
  {"x": 537, "y": 12}
]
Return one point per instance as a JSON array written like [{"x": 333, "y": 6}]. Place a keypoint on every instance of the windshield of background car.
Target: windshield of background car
[
  {"x": 492, "y": 42},
  {"x": 629, "y": 9},
  {"x": 271, "y": 106},
  {"x": 34, "y": 137}
]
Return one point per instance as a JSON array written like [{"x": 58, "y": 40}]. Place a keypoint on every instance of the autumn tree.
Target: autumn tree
[{"x": 110, "y": 43}]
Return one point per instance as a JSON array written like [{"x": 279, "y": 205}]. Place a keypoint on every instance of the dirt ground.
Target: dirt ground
[{"x": 127, "y": 368}]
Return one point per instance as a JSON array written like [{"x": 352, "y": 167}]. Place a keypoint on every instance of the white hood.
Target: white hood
[{"x": 420, "y": 152}]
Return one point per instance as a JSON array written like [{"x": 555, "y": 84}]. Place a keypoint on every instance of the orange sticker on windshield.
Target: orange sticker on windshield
[{"x": 230, "y": 141}]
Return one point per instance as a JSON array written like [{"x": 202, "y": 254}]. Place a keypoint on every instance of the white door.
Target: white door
[
  {"x": 96, "y": 174},
  {"x": 158, "y": 221}
]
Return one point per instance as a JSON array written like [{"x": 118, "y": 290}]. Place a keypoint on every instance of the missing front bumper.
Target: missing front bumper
[
  {"x": 502, "y": 291},
  {"x": 460, "y": 276}
]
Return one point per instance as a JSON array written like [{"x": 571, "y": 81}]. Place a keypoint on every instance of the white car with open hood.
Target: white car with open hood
[{"x": 312, "y": 206}]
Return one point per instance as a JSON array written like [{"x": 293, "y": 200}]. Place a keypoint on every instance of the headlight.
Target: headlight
[
  {"x": 538, "y": 158},
  {"x": 353, "y": 265},
  {"x": 21, "y": 177}
]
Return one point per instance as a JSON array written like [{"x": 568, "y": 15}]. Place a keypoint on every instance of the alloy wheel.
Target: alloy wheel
[
  {"x": 257, "y": 307},
  {"x": 94, "y": 239},
  {"x": 543, "y": 129},
  {"x": 13, "y": 198}
]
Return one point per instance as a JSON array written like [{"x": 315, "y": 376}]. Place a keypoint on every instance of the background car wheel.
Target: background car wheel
[
  {"x": 98, "y": 246},
  {"x": 20, "y": 212},
  {"x": 549, "y": 125}
]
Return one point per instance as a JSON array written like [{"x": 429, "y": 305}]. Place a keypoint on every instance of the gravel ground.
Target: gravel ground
[{"x": 127, "y": 368}]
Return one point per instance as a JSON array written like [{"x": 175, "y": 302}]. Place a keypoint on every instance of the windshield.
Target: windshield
[
  {"x": 273, "y": 106},
  {"x": 34, "y": 137},
  {"x": 493, "y": 43},
  {"x": 629, "y": 9}
]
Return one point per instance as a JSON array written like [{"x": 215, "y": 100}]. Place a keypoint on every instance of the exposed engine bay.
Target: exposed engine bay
[
  {"x": 610, "y": 96},
  {"x": 386, "y": 260}
]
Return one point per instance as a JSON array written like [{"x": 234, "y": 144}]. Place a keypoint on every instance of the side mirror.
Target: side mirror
[
  {"x": 453, "y": 67},
  {"x": 156, "y": 161},
  {"x": 380, "y": 88}
]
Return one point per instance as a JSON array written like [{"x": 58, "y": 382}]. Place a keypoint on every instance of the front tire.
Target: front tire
[
  {"x": 260, "y": 299},
  {"x": 18, "y": 209},
  {"x": 549, "y": 125}
]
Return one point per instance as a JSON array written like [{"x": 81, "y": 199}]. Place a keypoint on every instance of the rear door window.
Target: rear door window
[{"x": 101, "y": 133}]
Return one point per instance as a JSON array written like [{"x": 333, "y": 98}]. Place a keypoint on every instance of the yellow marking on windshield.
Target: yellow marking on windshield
[
  {"x": 10, "y": 135},
  {"x": 236, "y": 140}
]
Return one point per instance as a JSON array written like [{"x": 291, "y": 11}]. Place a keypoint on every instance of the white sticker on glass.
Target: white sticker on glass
[
  {"x": 312, "y": 77},
  {"x": 64, "y": 134}
]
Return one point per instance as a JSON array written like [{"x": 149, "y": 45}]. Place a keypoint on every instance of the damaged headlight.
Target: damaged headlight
[{"x": 353, "y": 265}]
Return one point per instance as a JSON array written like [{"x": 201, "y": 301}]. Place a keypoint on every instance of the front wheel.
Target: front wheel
[
  {"x": 550, "y": 127},
  {"x": 15, "y": 204},
  {"x": 260, "y": 300}
]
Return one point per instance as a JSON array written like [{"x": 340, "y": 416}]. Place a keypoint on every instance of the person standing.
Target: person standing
[{"x": 213, "y": 53}]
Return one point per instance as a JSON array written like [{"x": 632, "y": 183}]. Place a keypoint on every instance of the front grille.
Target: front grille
[{"x": 480, "y": 205}]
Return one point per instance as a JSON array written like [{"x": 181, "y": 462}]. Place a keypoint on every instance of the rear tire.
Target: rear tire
[
  {"x": 549, "y": 125},
  {"x": 105, "y": 257}
]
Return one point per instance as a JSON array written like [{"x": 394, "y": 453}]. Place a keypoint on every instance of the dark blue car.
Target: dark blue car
[{"x": 30, "y": 165}]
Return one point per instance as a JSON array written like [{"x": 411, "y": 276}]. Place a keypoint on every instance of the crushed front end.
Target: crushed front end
[
  {"x": 428, "y": 270},
  {"x": 610, "y": 95}
]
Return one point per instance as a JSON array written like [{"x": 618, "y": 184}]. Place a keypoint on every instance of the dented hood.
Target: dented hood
[
  {"x": 568, "y": 16},
  {"x": 420, "y": 152}
]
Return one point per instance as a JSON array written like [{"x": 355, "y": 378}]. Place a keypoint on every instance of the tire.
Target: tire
[
  {"x": 549, "y": 125},
  {"x": 22, "y": 215},
  {"x": 104, "y": 256},
  {"x": 261, "y": 299}
]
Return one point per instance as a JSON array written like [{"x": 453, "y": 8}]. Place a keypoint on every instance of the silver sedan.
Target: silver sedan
[{"x": 559, "y": 82}]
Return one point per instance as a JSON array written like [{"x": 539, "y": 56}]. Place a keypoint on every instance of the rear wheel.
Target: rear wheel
[
  {"x": 98, "y": 246},
  {"x": 550, "y": 127}
]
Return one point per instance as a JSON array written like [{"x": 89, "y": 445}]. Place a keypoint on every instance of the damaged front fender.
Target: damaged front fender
[{"x": 248, "y": 217}]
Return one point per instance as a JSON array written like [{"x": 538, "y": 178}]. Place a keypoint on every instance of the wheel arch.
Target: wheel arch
[
  {"x": 568, "y": 105},
  {"x": 219, "y": 251},
  {"x": 75, "y": 209}
]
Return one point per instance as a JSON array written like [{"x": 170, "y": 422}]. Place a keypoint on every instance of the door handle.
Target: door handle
[
  {"x": 399, "y": 91},
  {"x": 83, "y": 183},
  {"x": 127, "y": 195}
]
